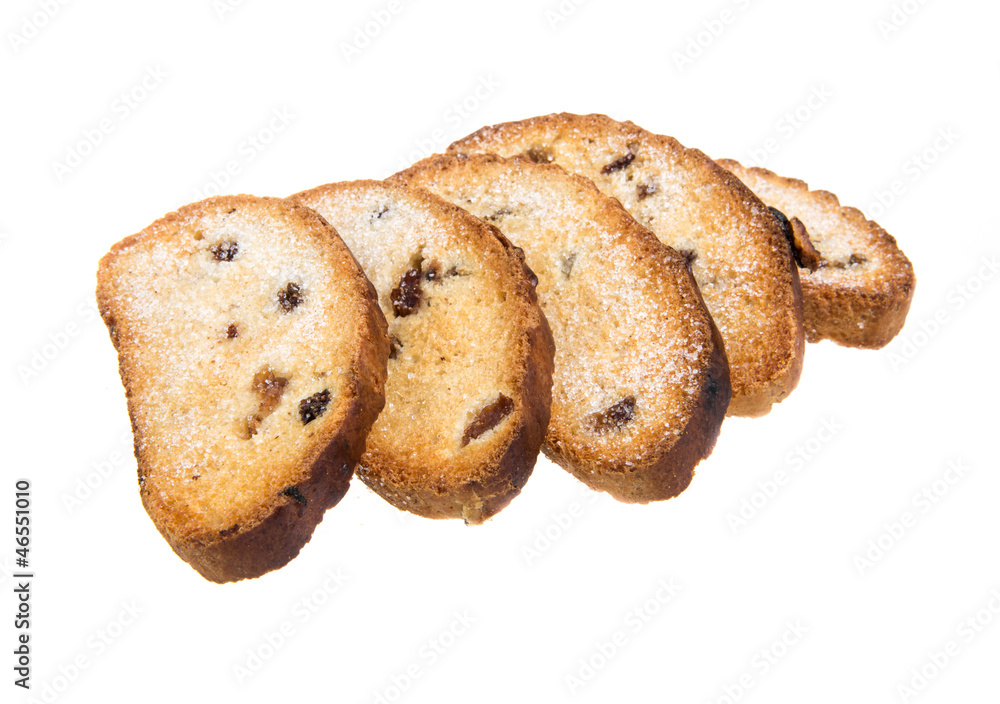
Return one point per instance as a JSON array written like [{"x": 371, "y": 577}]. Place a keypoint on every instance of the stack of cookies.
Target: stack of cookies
[{"x": 566, "y": 284}]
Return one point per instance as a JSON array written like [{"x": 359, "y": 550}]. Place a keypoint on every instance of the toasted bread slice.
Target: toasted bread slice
[
  {"x": 738, "y": 254},
  {"x": 641, "y": 383},
  {"x": 470, "y": 372},
  {"x": 253, "y": 355},
  {"x": 856, "y": 283}
]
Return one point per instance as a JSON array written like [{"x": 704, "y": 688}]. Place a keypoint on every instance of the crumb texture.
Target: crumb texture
[
  {"x": 741, "y": 261},
  {"x": 469, "y": 383},
  {"x": 229, "y": 315},
  {"x": 635, "y": 346},
  {"x": 857, "y": 284}
]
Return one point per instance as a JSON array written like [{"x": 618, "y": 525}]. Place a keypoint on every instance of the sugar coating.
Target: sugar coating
[
  {"x": 837, "y": 233},
  {"x": 741, "y": 265},
  {"x": 614, "y": 298},
  {"x": 173, "y": 307},
  {"x": 463, "y": 345}
]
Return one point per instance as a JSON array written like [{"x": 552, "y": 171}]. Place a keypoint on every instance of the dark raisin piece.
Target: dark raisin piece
[
  {"x": 433, "y": 272},
  {"x": 225, "y": 251},
  {"x": 802, "y": 247},
  {"x": 406, "y": 297},
  {"x": 618, "y": 164},
  {"x": 394, "y": 347},
  {"x": 689, "y": 256},
  {"x": 290, "y": 297},
  {"x": 857, "y": 259},
  {"x": 488, "y": 418},
  {"x": 614, "y": 418},
  {"x": 230, "y": 530},
  {"x": 380, "y": 211},
  {"x": 313, "y": 407},
  {"x": 231, "y": 211},
  {"x": 540, "y": 155},
  {"x": 645, "y": 190},
  {"x": 231, "y": 331},
  {"x": 296, "y": 495}
]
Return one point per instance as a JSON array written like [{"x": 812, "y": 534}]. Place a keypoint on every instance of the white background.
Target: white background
[{"x": 899, "y": 415}]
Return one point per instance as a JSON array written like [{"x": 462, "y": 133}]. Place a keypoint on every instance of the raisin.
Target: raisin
[
  {"x": 803, "y": 250},
  {"x": 229, "y": 531},
  {"x": 231, "y": 211},
  {"x": 225, "y": 251},
  {"x": 645, "y": 190},
  {"x": 406, "y": 297},
  {"x": 854, "y": 260},
  {"x": 433, "y": 272},
  {"x": 689, "y": 256},
  {"x": 498, "y": 214},
  {"x": 382, "y": 210},
  {"x": 566, "y": 264},
  {"x": 488, "y": 418},
  {"x": 290, "y": 297},
  {"x": 394, "y": 347},
  {"x": 270, "y": 387},
  {"x": 540, "y": 155},
  {"x": 614, "y": 418},
  {"x": 618, "y": 164},
  {"x": 231, "y": 331},
  {"x": 293, "y": 493},
  {"x": 313, "y": 407}
]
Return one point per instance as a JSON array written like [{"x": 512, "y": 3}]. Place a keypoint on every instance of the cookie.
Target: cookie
[{"x": 253, "y": 356}]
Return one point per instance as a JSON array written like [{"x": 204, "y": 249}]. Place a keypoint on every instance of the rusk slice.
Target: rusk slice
[
  {"x": 641, "y": 383},
  {"x": 253, "y": 356},
  {"x": 856, "y": 283},
  {"x": 470, "y": 371},
  {"x": 738, "y": 254}
]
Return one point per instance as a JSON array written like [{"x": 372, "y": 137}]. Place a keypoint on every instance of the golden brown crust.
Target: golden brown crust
[
  {"x": 269, "y": 533},
  {"x": 857, "y": 284},
  {"x": 476, "y": 302},
  {"x": 742, "y": 262},
  {"x": 682, "y": 388}
]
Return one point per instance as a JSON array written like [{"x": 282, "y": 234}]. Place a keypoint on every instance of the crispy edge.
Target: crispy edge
[
  {"x": 501, "y": 476},
  {"x": 753, "y": 394},
  {"x": 667, "y": 468},
  {"x": 850, "y": 316},
  {"x": 281, "y": 528},
  {"x": 756, "y": 392}
]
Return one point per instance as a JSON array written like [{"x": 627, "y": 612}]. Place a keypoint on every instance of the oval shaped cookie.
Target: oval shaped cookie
[
  {"x": 470, "y": 369},
  {"x": 857, "y": 284},
  {"x": 641, "y": 383},
  {"x": 253, "y": 355},
  {"x": 738, "y": 254}
]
